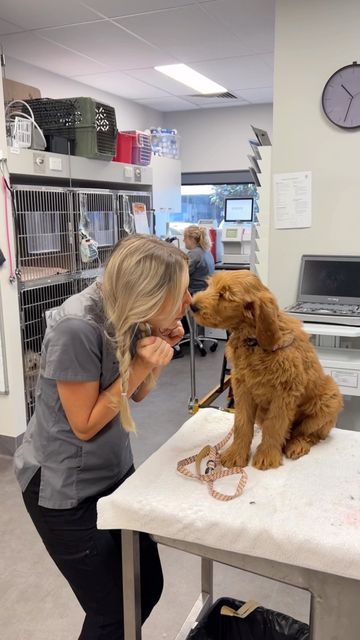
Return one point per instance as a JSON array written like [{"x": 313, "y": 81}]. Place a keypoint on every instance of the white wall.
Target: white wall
[
  {"x": 312, "y": 40},
  {"x": 12, "y": 406},
  {"x": 130, "y": 115},
  {"x": 217, "y": 139}
]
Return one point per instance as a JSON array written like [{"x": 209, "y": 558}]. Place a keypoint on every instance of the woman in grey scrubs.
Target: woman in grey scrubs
[{"x": 102, "y": 347}]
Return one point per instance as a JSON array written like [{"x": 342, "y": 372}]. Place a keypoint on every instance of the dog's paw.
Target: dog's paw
[
  {"x": 267, "y": 458},
  {"x": 233, "y": 457},
  {"x": 296, "y": 448}
]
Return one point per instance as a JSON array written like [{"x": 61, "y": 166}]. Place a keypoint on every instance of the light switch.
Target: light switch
[
  {"x": 129, "y": 173},
  {"x": 55, "y": 164}
]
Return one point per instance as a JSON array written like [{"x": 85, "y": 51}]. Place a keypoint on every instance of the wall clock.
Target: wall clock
[{"x": 341, "y": 97}]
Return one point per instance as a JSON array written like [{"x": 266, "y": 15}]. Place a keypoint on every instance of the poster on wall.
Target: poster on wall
[
  {"x": 140, "y": 217},
  {"x": 292, "y": 200}
]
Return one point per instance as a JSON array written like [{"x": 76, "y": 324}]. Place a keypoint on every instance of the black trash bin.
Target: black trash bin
[{"x": 261, "y": 624}]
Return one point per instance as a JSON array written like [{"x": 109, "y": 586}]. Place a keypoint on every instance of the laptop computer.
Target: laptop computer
[{"x": 329, "y": 290}]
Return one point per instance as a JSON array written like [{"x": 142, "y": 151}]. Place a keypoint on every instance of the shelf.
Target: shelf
[
  {"x": 43, "y": 164},
  {"x": 344, "y": 358},
  {"x": 331, "y": 330}
]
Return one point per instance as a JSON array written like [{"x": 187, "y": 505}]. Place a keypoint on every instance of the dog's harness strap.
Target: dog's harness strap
[{"x": 214, "y": 470}]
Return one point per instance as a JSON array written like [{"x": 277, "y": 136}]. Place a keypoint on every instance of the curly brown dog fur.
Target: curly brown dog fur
[{"x": 276, "y": 375}]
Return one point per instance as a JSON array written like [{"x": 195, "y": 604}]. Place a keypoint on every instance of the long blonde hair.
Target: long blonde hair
[
  {"x": 142, "y": 271},
  {"x": 200, "y": 235}
]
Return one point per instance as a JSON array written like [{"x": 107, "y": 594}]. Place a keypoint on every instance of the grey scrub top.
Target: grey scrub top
[
  {"x": 75, "y": 348},
  {"x": 201, "y": 266}
]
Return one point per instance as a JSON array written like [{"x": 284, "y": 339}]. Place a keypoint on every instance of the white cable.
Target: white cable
[{"x": 20, "y": 102}]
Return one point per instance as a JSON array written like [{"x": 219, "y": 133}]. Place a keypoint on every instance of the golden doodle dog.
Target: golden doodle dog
[{"x": 278, "y": 382}]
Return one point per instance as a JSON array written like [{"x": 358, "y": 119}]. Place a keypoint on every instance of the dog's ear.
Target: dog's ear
[
  {"x": 226, "y": 293},
  {"x": 266, "y": 321}
]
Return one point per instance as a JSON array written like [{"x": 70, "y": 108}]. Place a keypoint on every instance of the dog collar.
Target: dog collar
[{"x": 252, "y": 342}]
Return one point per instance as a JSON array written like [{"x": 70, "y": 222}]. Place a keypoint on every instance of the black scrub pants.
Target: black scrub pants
[{"x": 90, "y": 560}]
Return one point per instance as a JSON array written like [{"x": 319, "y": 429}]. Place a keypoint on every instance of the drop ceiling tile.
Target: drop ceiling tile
[
  {"x": 253, "y": 21},
  {"x": 46, "y": 55},
  {"x": 168, "y": 104},
  {"x": 35, "y": 14},
  {"x": 243, "y": 72},
  {"x": 108, "y": 44},
  {"x": 187, "y": 33},
  {"x": 159, "y": 80},
  {"x": 8, "y": 27},
  {"x": 260, "y": 95},
  {"x": 115, "y": 9},
  {"x": 122, "y": 85}
]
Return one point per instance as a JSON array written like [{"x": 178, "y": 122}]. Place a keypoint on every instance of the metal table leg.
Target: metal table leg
[
  {"x": 131, "y": 584},
  {"x": 193, "y": 401}
]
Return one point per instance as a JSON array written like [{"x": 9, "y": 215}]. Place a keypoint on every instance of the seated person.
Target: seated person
[{"x": 201, "y": 262}]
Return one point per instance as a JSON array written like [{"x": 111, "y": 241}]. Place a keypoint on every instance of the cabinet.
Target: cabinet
[
  {"x": 343, "y": 364},
  {"x": 166, "y": 177}
]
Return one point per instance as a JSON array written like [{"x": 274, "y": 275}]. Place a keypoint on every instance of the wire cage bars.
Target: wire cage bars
[
  {"x": 96, "y": 217},
  {"x": 49, "y": 223},
  {"x": 126, "y": 201},
  {"x": 35, "y": 304},
  {"x": 44, "y": 232}
]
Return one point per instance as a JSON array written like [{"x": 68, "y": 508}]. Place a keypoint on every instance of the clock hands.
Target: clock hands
[
  {"x": 348, "y": 109},
  {"x": 345, "y": 89},
  {"x": 351, "y": 99}
]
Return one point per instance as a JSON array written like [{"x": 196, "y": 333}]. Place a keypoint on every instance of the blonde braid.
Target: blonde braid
[{"x": 124, "y": 357}]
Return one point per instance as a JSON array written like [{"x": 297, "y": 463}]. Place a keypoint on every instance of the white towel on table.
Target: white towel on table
[{"x": 305, "y": 513}]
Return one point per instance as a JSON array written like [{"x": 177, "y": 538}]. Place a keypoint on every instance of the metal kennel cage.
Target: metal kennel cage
[
  {"x": 44, "y": 225},
  {"x": 96, "y": 216},
  {"x": 126, "y": 200},
  {"x": 36, "y": 304}
]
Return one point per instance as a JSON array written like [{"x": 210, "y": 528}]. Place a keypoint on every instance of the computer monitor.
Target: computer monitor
[{"x": 239, "y": 209}]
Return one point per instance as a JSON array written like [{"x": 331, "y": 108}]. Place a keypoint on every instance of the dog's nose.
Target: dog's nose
[{"x": 194, "y": 308}]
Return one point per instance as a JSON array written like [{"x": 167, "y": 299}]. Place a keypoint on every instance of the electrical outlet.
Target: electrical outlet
[{"x": 39, "y": 162}]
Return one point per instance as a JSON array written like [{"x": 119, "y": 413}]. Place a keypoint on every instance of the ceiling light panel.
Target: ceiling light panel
[{"x": 191, "y": 78}]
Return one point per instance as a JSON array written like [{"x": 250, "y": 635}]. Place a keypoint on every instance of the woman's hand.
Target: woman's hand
[
  {"x": 154, "y": 351},
  {"x": 173, "y": 334}
]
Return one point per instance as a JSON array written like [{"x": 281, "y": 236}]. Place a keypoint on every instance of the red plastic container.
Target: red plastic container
[
  {"x": 141, "y": 147},
  {"x": 124, "y": 145}
]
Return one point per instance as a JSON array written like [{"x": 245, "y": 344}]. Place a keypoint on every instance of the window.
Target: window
[{"x": 206, "y": 201}]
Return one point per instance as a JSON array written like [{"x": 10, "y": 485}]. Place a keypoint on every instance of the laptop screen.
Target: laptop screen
[{"x": 330, "y": 279}]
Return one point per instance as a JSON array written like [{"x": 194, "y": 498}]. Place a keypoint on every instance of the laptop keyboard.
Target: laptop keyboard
[{"x": 324, "y": 309}]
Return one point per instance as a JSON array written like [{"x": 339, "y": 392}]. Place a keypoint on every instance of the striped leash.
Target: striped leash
[{"x": 213, "y": 470}]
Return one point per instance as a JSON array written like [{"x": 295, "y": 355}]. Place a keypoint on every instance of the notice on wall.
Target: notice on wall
[
  {"x": 292, "y": 200},
  {"x": 140, "y": 217}
]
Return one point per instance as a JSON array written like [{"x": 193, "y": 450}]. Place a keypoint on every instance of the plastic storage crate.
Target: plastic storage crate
[
  {"x": 165, "y": 143},
  {"x": 91, "y": 125},
  {"x": 124, "y": 142},
  {"x": 141, "y": 147}
]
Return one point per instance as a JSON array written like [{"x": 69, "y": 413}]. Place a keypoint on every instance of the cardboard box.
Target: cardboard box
[{"x": 18, "y": 91}]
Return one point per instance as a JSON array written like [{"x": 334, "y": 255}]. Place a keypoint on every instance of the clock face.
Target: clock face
[{"x": 341, "y": 97}]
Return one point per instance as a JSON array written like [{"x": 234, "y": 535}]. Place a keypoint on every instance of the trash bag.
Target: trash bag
[{"x": 261, "y": 624}]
